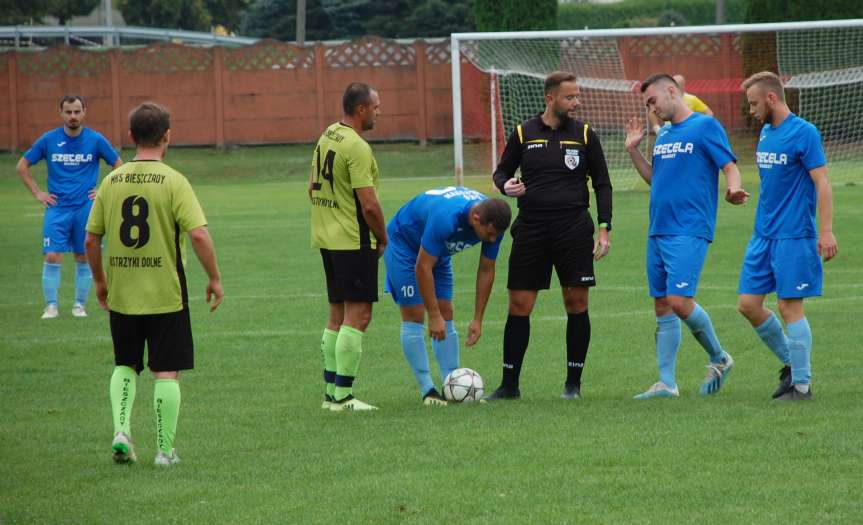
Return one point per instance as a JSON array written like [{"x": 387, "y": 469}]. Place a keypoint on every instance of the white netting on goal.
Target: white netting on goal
[
  {"x": 826, "y": 68},
  {"x": 608, "y": 98},
  {"x": 501, "y": 84}
]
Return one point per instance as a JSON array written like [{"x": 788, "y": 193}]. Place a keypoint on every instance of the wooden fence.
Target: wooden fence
[
  {"x": 270, "y": 92},
  {"x": 274, "y": 92}
]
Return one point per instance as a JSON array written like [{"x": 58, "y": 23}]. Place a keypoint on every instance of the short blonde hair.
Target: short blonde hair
[{"x": 768, "y": 81}]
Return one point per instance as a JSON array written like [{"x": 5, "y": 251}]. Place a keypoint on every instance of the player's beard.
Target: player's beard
[
  {"x": 562, "y": 116},
  {"x": 73, "y": 125}
]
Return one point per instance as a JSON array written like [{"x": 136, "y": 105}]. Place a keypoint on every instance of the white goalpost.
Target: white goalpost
[{"x": 497, "y": 81}]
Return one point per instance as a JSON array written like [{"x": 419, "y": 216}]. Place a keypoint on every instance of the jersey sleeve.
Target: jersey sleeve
[
  {"x": 96, "y": 220},
  {"x": 38, "y": 150},
  {"x": 361, "y": 166},
  {"x": 106, "y": 150},
  {"x": 439, "y": 227},
  {"x": 811, "y": 149},
  {"x": 599, "y": 178},
  {"x": 509, "y": 161},
  {"x": 696, "y": 104},
  {"x": 186, "y": 209},
  {"x": 718, "y": 147},
  {"x": 491, "y": 249}
]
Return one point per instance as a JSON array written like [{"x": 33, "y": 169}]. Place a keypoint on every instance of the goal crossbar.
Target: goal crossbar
[{"x": 851, "y": 74}]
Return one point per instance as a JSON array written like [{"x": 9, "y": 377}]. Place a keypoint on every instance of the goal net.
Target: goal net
[{"x": 498, "y": 82}]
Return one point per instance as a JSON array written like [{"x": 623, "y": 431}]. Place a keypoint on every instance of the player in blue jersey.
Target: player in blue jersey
[
  {"x": 683, "y": 178},
  {"x": 423, "y": 235},
  {"x": 784, "y": 254},
  {"x": 72, "y": 153}
]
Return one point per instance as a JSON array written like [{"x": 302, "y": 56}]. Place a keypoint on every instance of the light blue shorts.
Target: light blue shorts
[
  {"x": 674, "y": 264},
  {"x": 65, "y": 228},
  {"x": 790, "y": 267},
  {"x": 401, "y": 279}
]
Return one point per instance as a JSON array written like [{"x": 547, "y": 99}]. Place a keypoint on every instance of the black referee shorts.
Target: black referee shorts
[
  {"x": 352, "y": 275},
  {"x": 168, "y": 337},
  {"x": 543, "y": 241}
]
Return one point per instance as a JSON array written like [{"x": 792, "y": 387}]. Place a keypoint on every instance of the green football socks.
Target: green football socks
[
  {"x": 349, "y": 349},
  {"x": 122, "y": 392},
  {"x": 166, "y": 404},
  {"x": 328, "y": 349}
]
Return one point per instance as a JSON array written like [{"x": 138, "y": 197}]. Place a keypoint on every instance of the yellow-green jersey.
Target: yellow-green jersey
[
  {"x": 341, "y": 163},
  {"x": 142, "y": 210},
  {"x": 695, "y": 103}
]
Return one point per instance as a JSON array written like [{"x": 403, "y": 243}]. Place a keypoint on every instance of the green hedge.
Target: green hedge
[
  {"x": 647, "y": 13},
  {"x": 798, "y": 10},
  {"x": 515, "y": 15}
]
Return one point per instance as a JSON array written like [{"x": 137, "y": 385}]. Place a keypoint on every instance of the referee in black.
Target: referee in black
[{"x": 556, "y": 154}]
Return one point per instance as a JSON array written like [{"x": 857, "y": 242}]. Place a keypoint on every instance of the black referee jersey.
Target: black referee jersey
[{"x": 555, "y": 165}]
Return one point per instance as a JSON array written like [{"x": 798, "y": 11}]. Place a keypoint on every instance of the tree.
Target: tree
[
  {"x": 227, "y": 13},
  {"x": 793, "y": 10},
  {"x": 515, "y": 15},
  {"x": 354, "y": 18},
  {"x": 440, "y": 18},
  {"x": 670, "y": 17},
  {"x": 406, "y": 18},
  {"x": 169, "y": 14},
  {"x": 66, "y": 9},
  {"x": 13, "y": 12},
  {"x": 384, "y": 23},
  {"x": 348, "y": 19},
  {"x": 278, "y": 19}
]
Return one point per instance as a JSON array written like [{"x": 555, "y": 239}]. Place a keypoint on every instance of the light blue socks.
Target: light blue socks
[
  {"x": 701, "y": 327},
  {"x": 800, "y": 350},
  {"x": 667, "y": 345},
  {"x": 83, "y": 282},
  {"x": 414, "y": 347},
  {"x": 50, "y": 282},
  {"x": 446, "y": 352},
  {"x": 771, "y": 333}
]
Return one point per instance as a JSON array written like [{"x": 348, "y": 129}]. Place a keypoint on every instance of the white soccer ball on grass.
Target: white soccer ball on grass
[{"x": 463, "y": 385}]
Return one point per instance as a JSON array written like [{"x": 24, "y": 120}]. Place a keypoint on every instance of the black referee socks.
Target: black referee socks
[
  {"x": 577, "y": 342},
  {"x": 516, "y": 335}
]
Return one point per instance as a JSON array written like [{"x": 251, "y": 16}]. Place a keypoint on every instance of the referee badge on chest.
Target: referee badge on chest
[{"x": 571, "y": 158}]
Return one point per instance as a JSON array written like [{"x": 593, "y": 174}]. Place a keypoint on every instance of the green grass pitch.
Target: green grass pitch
[{"x": 257, "y": 448}]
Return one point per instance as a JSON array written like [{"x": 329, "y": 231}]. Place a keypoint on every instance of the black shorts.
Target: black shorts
[
  {"x": 168, "y": 337},
  {"x": 543, "y": 241},
  {"x": 352, "y": 275}
]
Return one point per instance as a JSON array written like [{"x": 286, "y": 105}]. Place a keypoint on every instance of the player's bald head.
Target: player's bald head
[
  {"x": 680, "y": 79},
  {"x": 356, "y": 94},
  {"x": 768, "y": 82}
]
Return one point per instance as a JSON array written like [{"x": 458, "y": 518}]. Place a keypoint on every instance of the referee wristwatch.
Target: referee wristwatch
[{"x": 606, "y": 225}]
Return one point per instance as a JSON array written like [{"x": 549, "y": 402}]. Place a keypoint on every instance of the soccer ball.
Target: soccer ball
[{"x": 463, "y": 385}]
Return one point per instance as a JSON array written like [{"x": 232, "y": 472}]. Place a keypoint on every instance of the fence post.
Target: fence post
[
  {"x": 218, "y": 64},
  {"x": 13, "y": 101},
  {"x": 422, "y": 127},
  {"x": 319, "y": 85},
  {"x": 117, "y": 118}
]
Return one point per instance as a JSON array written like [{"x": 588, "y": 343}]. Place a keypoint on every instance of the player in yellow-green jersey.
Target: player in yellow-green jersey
[
  {"x": 349, "y": 229},
  {"x": 142, "y": 210}
]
